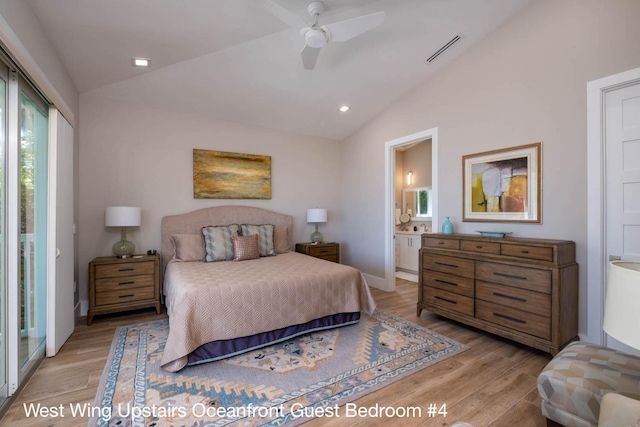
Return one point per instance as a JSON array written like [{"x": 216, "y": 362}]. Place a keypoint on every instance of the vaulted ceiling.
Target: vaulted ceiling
[{"x": 235, "y": 60}]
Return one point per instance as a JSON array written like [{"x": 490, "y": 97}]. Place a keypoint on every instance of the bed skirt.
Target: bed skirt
[{"x": 222, "y": 349}]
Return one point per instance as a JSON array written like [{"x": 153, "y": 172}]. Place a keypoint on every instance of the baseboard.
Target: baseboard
[
  {"x": 84, "y": 307},
  {"x": 377, "y": 282}
]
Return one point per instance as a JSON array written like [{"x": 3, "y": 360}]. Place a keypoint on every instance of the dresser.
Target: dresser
[
  {"x": 117, "y": 284},
  {"x": 326, "y": 251},
  {"x": 522, "y": 289}
]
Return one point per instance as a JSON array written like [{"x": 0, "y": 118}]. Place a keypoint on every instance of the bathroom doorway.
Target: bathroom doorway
[{"x": 411, "y": 201}]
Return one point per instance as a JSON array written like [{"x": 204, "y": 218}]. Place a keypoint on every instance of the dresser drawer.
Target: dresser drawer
[
  {"x": 434, "y": 242},
  {"x": 118, "y": 283},
  {"x": 448, "y": 282},
  {"x": 478, "y": 246},
  {"x": 445, "y": 264},
  {"x": 125, "y": 295},
  {"x": 520, "y": 299},
  {"x": 513, "y": 275},
  {"x": 124, "y": 269},
  {"x": 448, "y": 300},
  {"x": 529, "y": 323},
  {"x": 524, "y": 251}
]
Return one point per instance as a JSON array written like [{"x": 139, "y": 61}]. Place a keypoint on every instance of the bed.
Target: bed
[{"x": 219, "y": 309}]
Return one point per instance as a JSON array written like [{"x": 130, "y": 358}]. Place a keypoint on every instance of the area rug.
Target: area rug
[{"x": 287, "y": 383}]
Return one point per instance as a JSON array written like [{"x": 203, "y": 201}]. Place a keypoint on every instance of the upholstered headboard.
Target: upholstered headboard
[{"x": 192, "y": 223}]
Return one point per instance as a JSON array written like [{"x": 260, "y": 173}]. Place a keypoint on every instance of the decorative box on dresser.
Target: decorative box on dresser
[
  {"x": 120, "y": 284},
  {"x": 519, "y": 288},
  {"x": 326, "y": 251}
]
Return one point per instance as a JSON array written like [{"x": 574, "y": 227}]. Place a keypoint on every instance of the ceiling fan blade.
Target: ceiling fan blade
[
  {"x": 285, "y": 15},
  {"x": 344, "y": 30},
  {"x": 309, "y": 57}
]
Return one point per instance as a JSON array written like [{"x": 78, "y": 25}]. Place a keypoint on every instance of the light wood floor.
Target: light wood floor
[{"x": 491, "y": 384}]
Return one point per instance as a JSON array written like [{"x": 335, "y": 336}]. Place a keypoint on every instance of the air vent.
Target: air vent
[{"x": 444, "y": 48}]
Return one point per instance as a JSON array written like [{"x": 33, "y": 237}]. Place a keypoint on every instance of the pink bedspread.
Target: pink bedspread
[{"x": 224, "y": 300}]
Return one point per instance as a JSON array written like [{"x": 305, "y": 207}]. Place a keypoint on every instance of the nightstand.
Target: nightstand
[
  {"x": 327, "y": 251},
  {"x": 120, "y": 284}
]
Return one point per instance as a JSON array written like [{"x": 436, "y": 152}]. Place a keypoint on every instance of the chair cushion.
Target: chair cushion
[{"x": 574, "y": 381}]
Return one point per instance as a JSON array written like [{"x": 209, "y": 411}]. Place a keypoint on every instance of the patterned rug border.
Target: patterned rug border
[{"x": 105, "y": 394}]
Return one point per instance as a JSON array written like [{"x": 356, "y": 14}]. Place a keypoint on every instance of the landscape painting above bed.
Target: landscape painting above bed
[{"x": 224, "y": 175}]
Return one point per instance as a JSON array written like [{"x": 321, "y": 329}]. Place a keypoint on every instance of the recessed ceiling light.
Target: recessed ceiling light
[
  {"x": 141, "y": 62},
  {"x": 344, "y": 108}
]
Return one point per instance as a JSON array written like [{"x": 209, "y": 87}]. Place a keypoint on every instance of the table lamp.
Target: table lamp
[
  {"x": 316, "y": 216},
  {"x": 622, "y": 306},
  {"x": 122, "y": 216}
]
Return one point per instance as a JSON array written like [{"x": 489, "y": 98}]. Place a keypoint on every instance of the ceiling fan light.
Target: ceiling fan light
[{"x": 315, "y": 38}]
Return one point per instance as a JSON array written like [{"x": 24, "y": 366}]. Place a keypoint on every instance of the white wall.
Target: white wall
[
  {"x": 139, "y": 156},
  {"x": 524, "y": 83}
]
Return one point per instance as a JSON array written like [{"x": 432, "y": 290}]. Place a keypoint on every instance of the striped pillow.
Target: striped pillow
[
  {"x": 217, "y": 242},
  {"x": 265, "y": 237},
  {"x": 245, "y": 247}
]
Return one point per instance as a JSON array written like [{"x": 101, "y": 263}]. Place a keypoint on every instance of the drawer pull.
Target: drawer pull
[
  {"x": 126, "y": 269},
  {"x": 510, "y": 276},
  {"x": 126, "y": 283},
  {"x": 513, "y": 319},
  {"x": 524, "y": 252},
  {"x": 478, "y": 246},
  {"x": 324, "y": 252},
  {"x": 446, "y": 265},
  {"x": 441, "y": 243},
  {"x": 498, "y": 294},
  {"x": 125, "y": 296},
  {"x": 446, "y": 283},
  {"x": 447, "y": 300}
]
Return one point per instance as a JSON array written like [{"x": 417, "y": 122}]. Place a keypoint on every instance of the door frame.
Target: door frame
[
  {"x": 390, "y": 186},
  {"x": 597, "y": 260}
]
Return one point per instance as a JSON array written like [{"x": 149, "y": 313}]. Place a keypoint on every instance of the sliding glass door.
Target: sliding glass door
[
  {"x": 24, "y": 134},
  {"x": 3, "y": 288},
  {"x": 34, "y": 135}
]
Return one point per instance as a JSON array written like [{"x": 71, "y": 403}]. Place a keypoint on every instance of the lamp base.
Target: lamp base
[
  {"x": 123, "y": 248},
  {"x": 317, "y": 237}
]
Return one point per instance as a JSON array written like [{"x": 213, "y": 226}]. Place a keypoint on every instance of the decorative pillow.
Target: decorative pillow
[
  {"x": 281, "y": 239},
  {"x": 217, "y": 242},
  {"x": 265, "y": 237},
  {"x": 245, "y": 247},
  {"x": 188, "y": 247}
]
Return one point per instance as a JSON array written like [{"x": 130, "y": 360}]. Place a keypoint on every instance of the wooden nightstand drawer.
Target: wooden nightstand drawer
[
  {"x": 530, "y": 323},
  {"x": 445, "y": 264},
  {"x": 513, "y": 275},
  {"x": 448, "y": 282},
  {"x": 117, "y": 283},
  {"x": 530, "y": 252},
  {"x": 323, "y": 251},
  {"x": 448, "y": 300},
  {"x": 124, "y": 295},
  {"x": 520, "y": 299},
  {"x": 124, "y": 269}
]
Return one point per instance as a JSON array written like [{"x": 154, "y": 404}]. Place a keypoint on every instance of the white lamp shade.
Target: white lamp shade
[
  {"x": 316, "y": 215},
  {"x": 622, "y": 306},
  {"x": 122, "y": 216}
]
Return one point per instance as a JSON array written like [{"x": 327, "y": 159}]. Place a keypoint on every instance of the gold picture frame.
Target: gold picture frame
[
  {"x": 503, "y": 185},
  {"x": 225, "y": 175}
]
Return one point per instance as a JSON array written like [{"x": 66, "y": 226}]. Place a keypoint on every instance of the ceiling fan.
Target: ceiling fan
[{"x": 316, "y": 36}]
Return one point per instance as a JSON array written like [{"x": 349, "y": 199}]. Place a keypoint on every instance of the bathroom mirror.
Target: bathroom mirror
[{"x": 417, "y": 203}]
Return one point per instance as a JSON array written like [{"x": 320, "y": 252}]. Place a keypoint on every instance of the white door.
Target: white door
[
  {"x": 60, "y": 291},
  {"x": 622, "y": 153}
]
